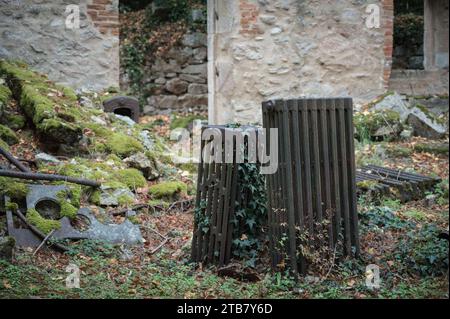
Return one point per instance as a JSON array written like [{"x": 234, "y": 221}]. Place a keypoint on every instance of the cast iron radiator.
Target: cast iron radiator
[{"x": 312, "y": 196}]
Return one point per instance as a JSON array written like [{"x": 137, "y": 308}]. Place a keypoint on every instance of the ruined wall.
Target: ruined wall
[
  {"x": 35, "y": 31},
  {"x": 267, "y": 49},
  {"x": 178, "y": 81}
]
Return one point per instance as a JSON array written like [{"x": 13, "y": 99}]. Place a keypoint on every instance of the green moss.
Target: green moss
[
  {"x": 67, "y": 209},
  {"x": 60, "y": 131},
  {"x": 432, "y": 148},
  {"x": 14, "y": 121},
  {"x": 115, "y": 159},
  {"x": 8, "y": 135},
  {"x": 11, "y": 206},
  {"x": 95, "y": 198},
  {"x": 17, "y": 70},
  {"x": 159, "y": 203},
  {"x": 125, "y": 200},
  {"x": 68, "y": 93},
  {"x": 369, "y": 184},
  {"x": 184, "y": 122},
  {"x": 131, "y": 177},
  {"x": 415, "y": 214},
  {"x": 36, "y": 106},
  {"x": 123, "y": 145},
  {"x": 399, "y": 151},
  {"x": 44, "y": 225},
  {"x": 69, "y": 201},
  {"x": 168, "y": 190},
  {"x": 380, "y": 99},
  {"x": 13, "y": 189},
  {"x": 4, "y": 145},
  {"x": 367, "y": 124},
  {"x": 135, "y": 220},
  {"x": 5, "y": 95}
]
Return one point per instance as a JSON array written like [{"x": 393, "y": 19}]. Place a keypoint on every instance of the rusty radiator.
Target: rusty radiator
[{"x": 314, "y": 189}]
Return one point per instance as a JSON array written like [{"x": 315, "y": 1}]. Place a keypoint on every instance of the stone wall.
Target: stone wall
[
  {"x": 267, "y": 49},
  {"x": 178, "y": 82},
  {"x": 35, "y": 31}
]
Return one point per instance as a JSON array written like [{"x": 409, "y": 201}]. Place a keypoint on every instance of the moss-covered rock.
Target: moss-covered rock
[
  {"x": 67, "y": 209},
  {"x": 14, "y": 121},
  {"x": 398, "y": 151},
  {"x": 384, "y": 124},
  {"x": 13, "y": 189},
  {"x": 5, "y": 96},
  {"x": 8, "y": 135},
  {"x": 185, "y": 121},
  {"x": 168, "y": 190},
  {"x": 367, "y": 185},
  {"x": 123, "y": 145},
  {"x": 432, "y": 148},
  {"x": 131, "y": 177},
  {"x": 4, "y": 145},
  {"x": 44, "y": 225},
  {"x": 51, "y": 107}
]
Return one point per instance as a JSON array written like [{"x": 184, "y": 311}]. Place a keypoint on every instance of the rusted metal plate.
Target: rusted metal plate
[{"x": 123, "y": 105}]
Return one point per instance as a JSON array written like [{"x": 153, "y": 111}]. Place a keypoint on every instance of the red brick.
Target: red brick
[{"x": 102, "y": 1}]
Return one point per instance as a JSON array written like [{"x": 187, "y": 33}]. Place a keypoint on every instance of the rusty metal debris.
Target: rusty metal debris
[
  {"x": 45, "y": 200},
  {"x": 407, "y": 186}
]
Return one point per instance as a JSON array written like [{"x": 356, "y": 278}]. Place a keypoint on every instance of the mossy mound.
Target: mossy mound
[
  {"x": 432, "y": 148},
  {"x": 59, "y": 118},
  {"x": 51, "y": 108},
  {"x": 5, "y": 96},
  {"x": 168, "y": 190},
  {"x": 8, "y": 135},
  {"x": 398, "y": 151},
  {"x": 67, "y": 209},
  {"x": 368, "y": 124},
  {"x": 131, "y": 177},
  {"x": 4, "y": 145},
  {"x": 110, "y": 172},
  {"x": 44, "y": 225},
  {"x": 123, "y": 145},
  {"x": 13, "y": 121},
  {"x": 13, "y": 189},
  {"x": 185, "y": 121}
]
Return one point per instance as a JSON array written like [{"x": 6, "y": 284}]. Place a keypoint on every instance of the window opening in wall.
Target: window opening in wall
[{"x": 409, "y": 35}]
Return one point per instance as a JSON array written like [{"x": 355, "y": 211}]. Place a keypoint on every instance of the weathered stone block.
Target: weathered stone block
[
  {"x": 177, "y": 86},
  {"x": 195, "y": 40},
  {"x": 195, "y": 88},
  {"x": 192, "y": 101}
]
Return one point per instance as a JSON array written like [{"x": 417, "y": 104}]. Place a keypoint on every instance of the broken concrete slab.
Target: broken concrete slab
[
  {"x": 425, "y": 125},
  {"x": 111, "y": 197},
  {"x": 394, "y": 102},
  {"x": 125, "y": 233}
]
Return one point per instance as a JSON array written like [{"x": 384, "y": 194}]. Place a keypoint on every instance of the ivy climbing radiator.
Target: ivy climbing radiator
[
  {"x": 231, "y": 199},
  {"x": 312, "y": 196}
]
